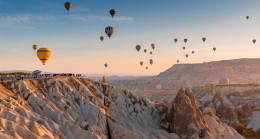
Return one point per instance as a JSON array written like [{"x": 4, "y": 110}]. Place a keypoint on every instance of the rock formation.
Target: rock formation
[{"x": 224, "y": 110}]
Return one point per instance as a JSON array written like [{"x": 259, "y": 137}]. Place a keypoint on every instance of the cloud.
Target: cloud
[
  {"x": 102, "y": 18},
  {"x": 26, "y": 21}
]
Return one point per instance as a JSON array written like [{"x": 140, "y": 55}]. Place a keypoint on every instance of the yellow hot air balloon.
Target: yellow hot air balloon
[
  {"x": 35, "y": 47},
  {"x": 229, "y": 70},
  {"x": 68, "y": 5},
  {"x": 44, "y": 54},
  {"x": 158, "y": 87}
]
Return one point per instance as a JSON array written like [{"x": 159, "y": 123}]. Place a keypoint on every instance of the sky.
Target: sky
[{"x": 73, "y": 37}]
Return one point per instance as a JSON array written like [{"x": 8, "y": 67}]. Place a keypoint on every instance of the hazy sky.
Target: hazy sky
[{"x": 73, "y": 37}]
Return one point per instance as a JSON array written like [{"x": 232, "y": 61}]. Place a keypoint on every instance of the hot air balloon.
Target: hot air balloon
[
  {"x": 178, "y": 61},
  {"x": 244, "y": 67},
  {"x": 192, "y": 52},
  {"x": 145, "y": 50},
  {"x": 247, "y": 17},
  {"x": 151, "y": 61},
  {"x": 175, "y": 40},
  {"x": 254, "y": 41},
  {"x": 151, "y": 53},
  {"x": 141, "y": 63},
  {"x": 35, "y": 47},
  {"x": 105, "y": 64},
  {"x": 214, "y": 48},
  {"x": 158, "y": 87},
  {"x": 152, "y": 45},
  {"x": 68, "y": 5},
  {"x": 112, "y": 12},
  {"x": 204, "y": 39},
  {"x": 109, "y": 31},
  {"x": 183, "y": 48},
  {"x": 44, "y": 54},
  {"x": 138, "y": 47},
  {"x": 185, "y": 40},
  {"x": 146, "y": 67},
  {"x": 102, "y": 38},
  {"x": 229, "y": 70},
  {"x": 187, "y": 55}
]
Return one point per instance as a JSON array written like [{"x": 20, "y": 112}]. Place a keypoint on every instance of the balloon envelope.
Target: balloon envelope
[
  {"x": 112, "y": 12},
  {"x": 102, "y": 38},
  {"x": 158, "y": 87},
  {"x": 44, "y": 54},
  {"x": 35, "y": 47},
  {"x": 204, "y": 39},
  {"x": 151, "y": 61},
  {"x": 152, "y": 45},
  {"x": 68, "y": 5},
  {"x": 175, "y": 40},
  {"x": 229, "y": 70},
  {"x": 138, "y": 47},
  {"x": 109, "y": 31},
  {"x": 185, "y": 40}
]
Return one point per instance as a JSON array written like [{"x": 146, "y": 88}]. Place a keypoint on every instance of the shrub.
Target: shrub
[{"x": 241, "y": 129}]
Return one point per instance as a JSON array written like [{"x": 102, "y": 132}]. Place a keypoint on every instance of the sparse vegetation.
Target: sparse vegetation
[{"x": 241, "y": 129}]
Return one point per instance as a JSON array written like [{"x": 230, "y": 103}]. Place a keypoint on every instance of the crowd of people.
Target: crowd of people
[{"x": 12, "y": 77}]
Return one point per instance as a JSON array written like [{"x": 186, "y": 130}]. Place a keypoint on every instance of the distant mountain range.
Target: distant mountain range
[{"x": 244, "y": 71}]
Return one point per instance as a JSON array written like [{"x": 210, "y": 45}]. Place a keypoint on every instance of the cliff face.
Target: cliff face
[
  {"x": 186, "y": 119},
  {"x": 76, "y": 108},
  {"x": 71, "y": 107}
]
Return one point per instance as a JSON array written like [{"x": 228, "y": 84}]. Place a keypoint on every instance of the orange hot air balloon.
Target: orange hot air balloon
[
  {"x": 112, "y": 12},
  {"x": 175, "y": 40},
  {"x": 152, "y": 45},
  {"x": 247, "y": 17},
  {"x": 158, "y": 87},
  {"x": 44, "y": 54},
  {"x": 183, "y": 48},
  {"x": 68, "y": 5},
  {"x": 35, "y": 47}
]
